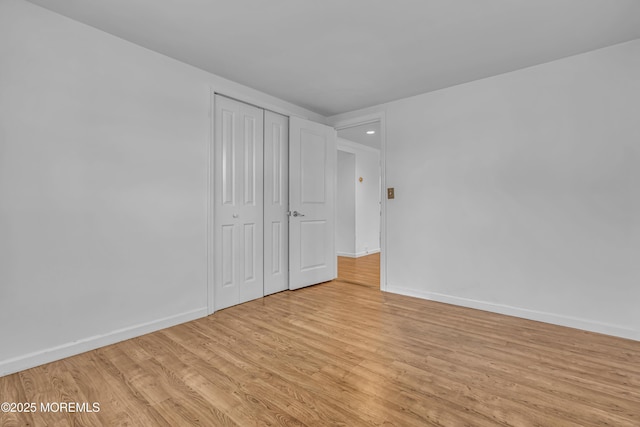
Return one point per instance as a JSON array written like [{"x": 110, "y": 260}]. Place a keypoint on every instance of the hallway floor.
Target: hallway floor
[{"x": 361, "y": 271}]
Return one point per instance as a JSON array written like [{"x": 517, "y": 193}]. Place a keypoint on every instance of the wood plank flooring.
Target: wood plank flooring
[
  {"x": 339, "y": 354},
  {"x": 362, "y": 271}
]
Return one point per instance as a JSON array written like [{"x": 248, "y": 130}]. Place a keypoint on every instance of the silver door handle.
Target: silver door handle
[{"x": 296, "y": 213}]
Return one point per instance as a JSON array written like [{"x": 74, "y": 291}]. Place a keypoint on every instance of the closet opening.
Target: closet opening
[{"x": 272, "y": 203}]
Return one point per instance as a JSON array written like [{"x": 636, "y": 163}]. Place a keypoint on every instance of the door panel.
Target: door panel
[
  {"x": 276, "y": 244},
  {"x": 238, "y": 216},
  {"x": 249, "y": 252},
  {"x": 226, "y": 158},
  {"x": 312, "y": 169},
  {"x": 250, "y": 160},
  {"x": 276, "y": 202},
  {"x": 313, "y": 256},
  {"x": 227, "y": 250}
]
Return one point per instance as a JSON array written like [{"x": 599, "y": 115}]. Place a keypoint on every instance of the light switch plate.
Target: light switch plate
[{"x": 390, "y": 193}]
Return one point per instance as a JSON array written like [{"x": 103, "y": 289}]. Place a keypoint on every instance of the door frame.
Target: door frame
[
  {"x": 247, "y": 99},
  {"x": 364, "y": 119},
  {"x": 211, "y": 203}
]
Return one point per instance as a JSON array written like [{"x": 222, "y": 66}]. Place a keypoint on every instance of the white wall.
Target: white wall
[
  {"x": 517, "y": 193},
  {"x": 520, "y": 193},
  {"x": 346, "y": 204},
  {"x": 367, "y": 197},
  {"x": 103, "y": 186}
]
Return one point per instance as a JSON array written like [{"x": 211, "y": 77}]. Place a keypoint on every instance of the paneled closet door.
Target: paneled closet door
[
  {"x": 276, "y": 202},
  {"x": 238, "y": 212}
]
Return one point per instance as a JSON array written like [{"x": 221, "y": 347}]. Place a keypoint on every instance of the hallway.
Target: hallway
[{"x": 361, "y": 271}]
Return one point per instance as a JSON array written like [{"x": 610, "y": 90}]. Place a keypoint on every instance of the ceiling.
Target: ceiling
[
  {"x": 333, "y": 56},
  {"x": 359, "y": 134}
]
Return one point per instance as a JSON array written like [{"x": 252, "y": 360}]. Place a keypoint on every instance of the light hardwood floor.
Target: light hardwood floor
[
  {"x": 362, "y": 271},
  {"x": 342, "y": 354}
]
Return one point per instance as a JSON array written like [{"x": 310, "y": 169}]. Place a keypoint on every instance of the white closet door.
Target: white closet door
[
  {"x": 276, "y": 203},
  {"x": 312, "y": 172},
  {"x": 238, "y": 217}
]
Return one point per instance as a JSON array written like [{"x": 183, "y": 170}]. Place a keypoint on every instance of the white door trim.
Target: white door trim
[
  {"x": 362, "y": 120},
  {"x": 210, "y": 205}
]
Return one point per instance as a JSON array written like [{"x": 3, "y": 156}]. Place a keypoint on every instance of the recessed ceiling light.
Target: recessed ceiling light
[{"x": 371, "y": 132}]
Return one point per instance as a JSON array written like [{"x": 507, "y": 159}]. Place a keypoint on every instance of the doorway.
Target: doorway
[{"x": 359, "y": 204}]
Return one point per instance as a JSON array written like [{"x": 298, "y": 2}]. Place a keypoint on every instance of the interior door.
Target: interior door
[
  {"x": 312, "y": 171},
  {"x": 276, "y": 203},
  {"x": 238, "y": 212}
]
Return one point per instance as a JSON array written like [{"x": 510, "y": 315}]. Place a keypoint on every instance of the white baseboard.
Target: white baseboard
[
  {"x": 358, "y": 254},
  {"x": 540, "y": 316},
  {"x": 346, "y": 254},
  {"x": 48, "y": 355}
]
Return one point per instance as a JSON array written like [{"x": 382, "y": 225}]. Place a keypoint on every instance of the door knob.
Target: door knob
[
  {"x": 296, "y": 213},
  {"x": 236, "y": 215}
]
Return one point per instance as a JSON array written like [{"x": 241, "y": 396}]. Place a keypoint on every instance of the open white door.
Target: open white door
[{"x": 312, "y": 171}]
